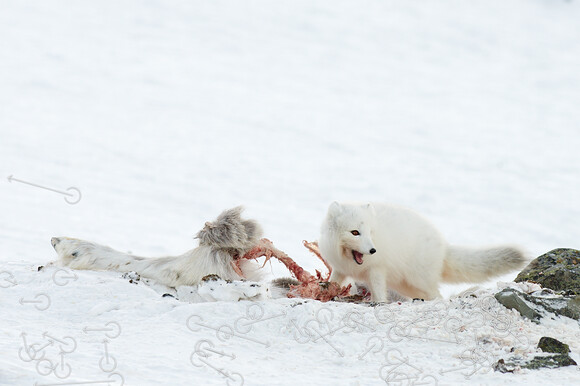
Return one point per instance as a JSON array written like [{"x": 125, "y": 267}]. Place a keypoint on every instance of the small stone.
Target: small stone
[
  {"x": 552, "y": 345},
  {"x": 502, "y": 367},
  {"x": 132, "y": 276},
  {"x": 212, "y": 277}
]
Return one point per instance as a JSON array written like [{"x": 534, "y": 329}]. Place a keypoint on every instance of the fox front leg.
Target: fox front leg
[{"x": 378, "y": 285}]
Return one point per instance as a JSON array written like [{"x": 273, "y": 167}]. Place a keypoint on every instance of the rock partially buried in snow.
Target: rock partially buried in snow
[
  {"x": 558, "y": 269},
  {"x": 535, "y": 307},
  {"x": 513, "y": 299},
  {"x": 549, "y": 361},
  {"x": 546, "y": 344}
]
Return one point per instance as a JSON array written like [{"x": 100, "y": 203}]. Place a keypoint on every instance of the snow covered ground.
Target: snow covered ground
[{"x": 164, "y": 113}]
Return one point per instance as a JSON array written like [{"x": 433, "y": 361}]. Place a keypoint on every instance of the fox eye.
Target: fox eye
[
  {"x": 74, "y": 254},
  {"x": 355, "y": 233}
]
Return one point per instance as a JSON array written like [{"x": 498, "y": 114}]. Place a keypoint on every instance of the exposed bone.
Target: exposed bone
[{"x": 312, "y": 287}]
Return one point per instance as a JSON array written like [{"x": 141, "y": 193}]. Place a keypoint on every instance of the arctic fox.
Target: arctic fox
[{"x": 390, "y": 247}]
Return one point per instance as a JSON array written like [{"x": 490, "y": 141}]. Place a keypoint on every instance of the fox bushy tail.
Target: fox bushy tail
[{"x": 474, "y": 265}]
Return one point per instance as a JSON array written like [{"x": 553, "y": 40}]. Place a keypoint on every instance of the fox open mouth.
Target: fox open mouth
[{"x": 357, "y": 256}]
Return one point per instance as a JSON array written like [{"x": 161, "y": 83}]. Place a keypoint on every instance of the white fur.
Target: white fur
[
  {"x": 186, "y": 269},
  {"x": 227, "y": 236},
  {"x": 411, "y": 256}
]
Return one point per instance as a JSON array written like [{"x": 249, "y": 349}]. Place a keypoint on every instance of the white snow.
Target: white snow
[{"x": 164, "y": 113}]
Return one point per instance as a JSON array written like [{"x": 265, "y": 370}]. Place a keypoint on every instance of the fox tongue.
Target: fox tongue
[{"x": 358, "y": 257}]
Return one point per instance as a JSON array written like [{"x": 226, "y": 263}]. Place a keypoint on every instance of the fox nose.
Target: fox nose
[
  {"x": 372, "y": 251},
  {"x": 54, "y": 241}
]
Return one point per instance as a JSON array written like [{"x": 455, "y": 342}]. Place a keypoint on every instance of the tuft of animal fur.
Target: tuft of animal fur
[
  {"x": 220, "y": 241},
  {"x": 230, "y": 233}
]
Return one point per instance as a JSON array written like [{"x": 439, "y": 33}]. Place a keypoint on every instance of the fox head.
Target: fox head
[
  {"x": 351, "y": 225},
  {"x": 68, "y": 248}
]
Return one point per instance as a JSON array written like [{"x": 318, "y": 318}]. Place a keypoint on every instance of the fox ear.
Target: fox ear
[
  {"x": 370, "y": 207},
  {"x": 335, "y": 208}
]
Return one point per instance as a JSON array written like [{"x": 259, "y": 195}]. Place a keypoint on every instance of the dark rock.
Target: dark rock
[
  {"x": 513, "y": 299},
  {"x": 502, "y": 367},
  {"x": 558, "y": 269},
  {"x": 547, "y": 344},
  {"x": 550, "y": 362},
  {"x": 536, "y": 307},
  {"x": 132, "y": 276}
]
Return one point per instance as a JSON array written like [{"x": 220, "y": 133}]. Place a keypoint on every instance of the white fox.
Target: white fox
[{"x": 390, "y": 247}]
